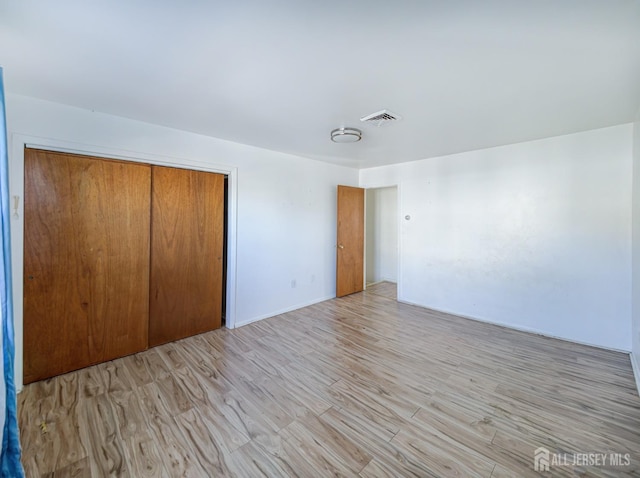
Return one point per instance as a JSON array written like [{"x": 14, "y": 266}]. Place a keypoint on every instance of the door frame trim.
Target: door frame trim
[{"x": 16, "y": 188}]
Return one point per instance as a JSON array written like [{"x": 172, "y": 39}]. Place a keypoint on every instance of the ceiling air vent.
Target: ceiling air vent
[{"x": 380, "y": 118}]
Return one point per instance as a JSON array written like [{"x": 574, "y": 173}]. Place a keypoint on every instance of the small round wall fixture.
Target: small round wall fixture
[{"x": 346, "y": 135}]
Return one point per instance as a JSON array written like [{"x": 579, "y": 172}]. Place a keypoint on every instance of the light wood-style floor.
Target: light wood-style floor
[{"x": 358, "y": 386}]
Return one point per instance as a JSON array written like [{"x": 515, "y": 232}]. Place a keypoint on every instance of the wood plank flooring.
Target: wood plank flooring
[{"x": 358, "y": 386}]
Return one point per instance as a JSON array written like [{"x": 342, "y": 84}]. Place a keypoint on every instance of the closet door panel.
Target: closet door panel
[
  {"x": 86, "y": 261},
  {"x": 187, "y": 232}
]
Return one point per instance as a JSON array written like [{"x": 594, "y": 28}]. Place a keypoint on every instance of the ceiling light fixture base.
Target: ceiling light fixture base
[{"x": 346, "y": 135}]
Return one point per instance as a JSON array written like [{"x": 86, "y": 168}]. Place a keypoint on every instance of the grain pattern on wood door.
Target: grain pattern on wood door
[
  {"x": 187, "y": 233},
  {"x": 86, "y": 261},
  {"x": 350, "y": 251}
]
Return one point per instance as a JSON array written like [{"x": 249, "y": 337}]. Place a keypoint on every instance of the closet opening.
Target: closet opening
[{"x": 119, "y": 256}]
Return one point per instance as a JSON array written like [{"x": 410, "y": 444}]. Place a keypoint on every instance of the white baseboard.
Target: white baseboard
[
  {"x": 282, "y": 311},
  {"x": 515, "y": 327},
  {"x": 380, "y": 282},
  {"x": 635, "y": 364}
]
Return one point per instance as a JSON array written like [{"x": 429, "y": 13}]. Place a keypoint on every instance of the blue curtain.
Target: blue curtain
[{"x": 10, "y": 465}]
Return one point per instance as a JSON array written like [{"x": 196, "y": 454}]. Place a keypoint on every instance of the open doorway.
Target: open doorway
[{"x": 381, "y": 239}]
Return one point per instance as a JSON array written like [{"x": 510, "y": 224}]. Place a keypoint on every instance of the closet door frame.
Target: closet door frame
[{"x": 19, "y": 142}]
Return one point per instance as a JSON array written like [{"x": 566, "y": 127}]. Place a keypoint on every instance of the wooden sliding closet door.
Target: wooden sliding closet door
[
  {"x": 187, "y": 233},
  {"x": 86, "y": 261}
]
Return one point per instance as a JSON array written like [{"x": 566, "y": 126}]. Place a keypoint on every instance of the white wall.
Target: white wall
[
  {"x": 369, "y": 236},
  {"x": 286, "y": 205},
  {"x": 534, "y": 235},
  {"x": 635, "y": 319},
  {"x": 382, "y": 234}
]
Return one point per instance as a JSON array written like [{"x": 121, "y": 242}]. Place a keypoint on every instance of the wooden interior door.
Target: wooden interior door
[
  {"x": 86, "y": 261},
  {"x": 187, "y": 234},
  {"x": 350, "y": 255}
]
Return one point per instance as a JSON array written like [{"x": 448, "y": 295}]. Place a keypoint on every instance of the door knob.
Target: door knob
[{"x": 340, "y": 246}]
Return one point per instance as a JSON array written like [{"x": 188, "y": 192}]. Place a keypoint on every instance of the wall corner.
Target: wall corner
[{"x": 635, "y": 365}]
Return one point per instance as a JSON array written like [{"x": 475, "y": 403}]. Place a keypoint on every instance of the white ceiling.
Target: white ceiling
[{"x": 463, "y": 74}]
